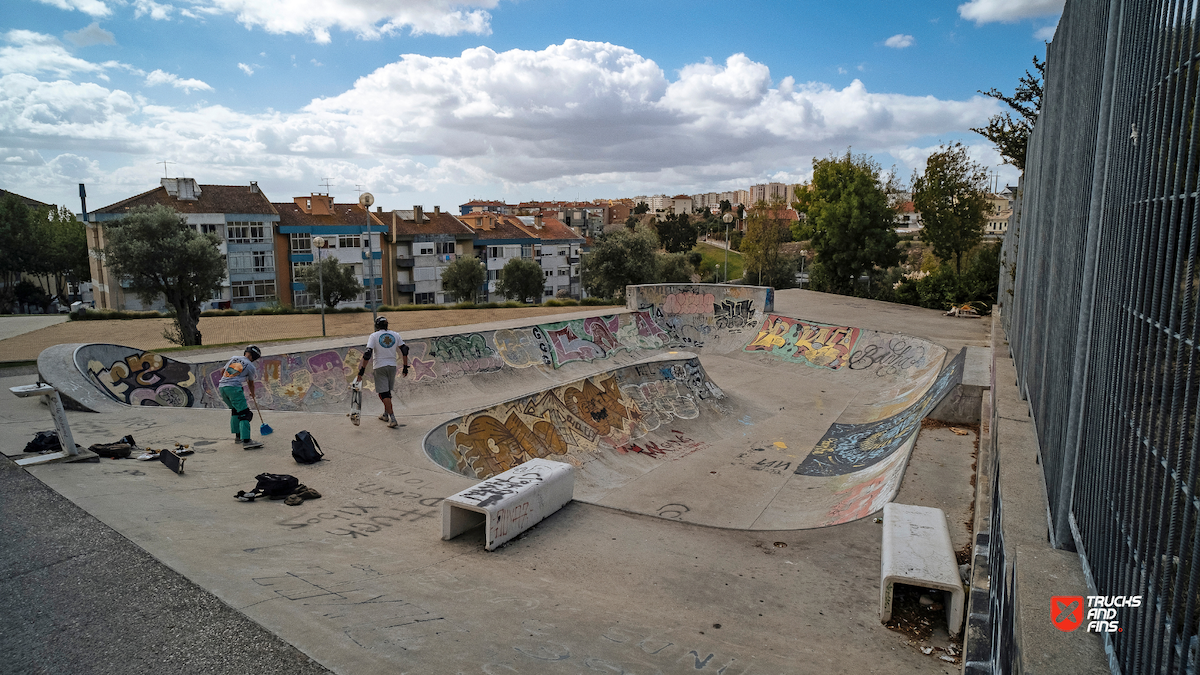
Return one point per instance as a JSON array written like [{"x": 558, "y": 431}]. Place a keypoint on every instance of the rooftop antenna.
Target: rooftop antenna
[
  {"x": 326, "y": 184},
  {"x": 165, "y": 163}
]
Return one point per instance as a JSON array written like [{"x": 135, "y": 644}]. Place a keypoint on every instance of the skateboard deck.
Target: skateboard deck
[
  {"x": 172, "y": 460},
  {"x": 355, "y": 402}
]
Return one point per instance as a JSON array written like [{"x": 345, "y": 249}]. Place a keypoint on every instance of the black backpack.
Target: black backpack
[
  {"x": 275, "y": 484},
  {"x": 305, "y": 449}
]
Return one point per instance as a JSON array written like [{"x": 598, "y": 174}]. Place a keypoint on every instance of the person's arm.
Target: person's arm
[
  {"x": 404, "y": 355},
  {"x": 362, "y": 367}
]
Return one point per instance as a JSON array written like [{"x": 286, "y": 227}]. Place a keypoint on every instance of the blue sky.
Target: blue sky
[{"x": 435, "y": 102}]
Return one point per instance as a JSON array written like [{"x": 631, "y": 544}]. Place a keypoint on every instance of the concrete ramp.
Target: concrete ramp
[{"x": 698, "y": 403}]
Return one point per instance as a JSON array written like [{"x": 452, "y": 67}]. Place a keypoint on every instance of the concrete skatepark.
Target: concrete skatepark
[{"x": 729, "y": 454}]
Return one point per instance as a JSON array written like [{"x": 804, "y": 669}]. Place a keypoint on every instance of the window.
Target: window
[
  {"x": 252, "y": 291},
  {"x": 301, "y": 242},
  {"x": 208, "y": 228},
  {"x": 425, "y": 249},
  {"x": 493, "y": 275},
  {"x": 495, "y": 251},
  {"x": 526, "y": 250},
  {"x": 423, "y": 299},
  {"x": 549, "y": 273},
  {"x": 562, "y": 272},
  {"x": 445, "y": 248},
  {"x": 349, "y": 241},
  {"x": 547, "y": 291},
  {"x": 302, "y": 299},
  {"x": 248, "y": 262},
  {"x": 424, "y": 274},
  {"x": 562, "y": 252},
  {"x": 246, "y": 232}
]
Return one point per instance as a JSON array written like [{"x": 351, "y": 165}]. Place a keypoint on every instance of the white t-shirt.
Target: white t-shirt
[{"x": 383, "y": 345}]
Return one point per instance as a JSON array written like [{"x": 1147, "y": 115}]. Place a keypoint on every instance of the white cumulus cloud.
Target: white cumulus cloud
[
  {"x": 159, "y": 77},
  {"x": 988, "y": 11},
  {"x": 245, "y": 69},
  {"x": 32, "y": 53},
  {"x": 366, "y": 18},
  {"x": 91, "y": 7},
  {"x": 572, "y": 115},
  {"x": 899, "y": 41}
]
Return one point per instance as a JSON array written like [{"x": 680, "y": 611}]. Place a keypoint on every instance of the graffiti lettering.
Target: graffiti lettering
[{"x": 894, "y": 358}]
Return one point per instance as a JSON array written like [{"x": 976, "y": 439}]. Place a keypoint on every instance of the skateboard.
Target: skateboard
[
  {"x": 355, "y": 402},
  {"x": 171, "y": 459}
]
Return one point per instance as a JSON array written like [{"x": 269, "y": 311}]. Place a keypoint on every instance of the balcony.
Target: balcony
[
  {"x": 573, "y": 260},
  {"x": 404, "y": 262},
  {"x": 406, "y": 288}
]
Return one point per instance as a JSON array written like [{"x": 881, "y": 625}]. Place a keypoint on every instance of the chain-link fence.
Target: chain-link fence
[{"x": 1099, "y": 288}]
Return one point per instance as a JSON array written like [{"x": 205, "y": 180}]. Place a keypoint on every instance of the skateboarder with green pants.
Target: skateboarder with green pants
[{"x": 240, "y": 369}]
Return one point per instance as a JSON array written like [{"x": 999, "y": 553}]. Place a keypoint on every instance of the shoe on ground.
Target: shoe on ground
[
  {"x": 392, "y": 423},
  {"x": 252, "y": 445},
  {"x": 238, "y": 439},
  {"x": 148, "y": 455},
  {"x": 384, "y": 417}
]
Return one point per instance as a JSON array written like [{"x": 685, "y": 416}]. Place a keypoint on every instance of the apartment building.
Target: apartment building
[
  {"x": 242, "y": 218},
  {"x": 344, "y": 227},
  {"x": 557, "y": 251},
  {"x": 421, "y": 245}
]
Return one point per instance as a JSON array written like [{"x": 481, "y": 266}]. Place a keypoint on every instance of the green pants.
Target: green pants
[{"x": 239, "y": 419}]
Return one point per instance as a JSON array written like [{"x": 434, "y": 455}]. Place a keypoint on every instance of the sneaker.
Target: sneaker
[
  {"x": 238, "y": 439},
  {"x": 252, "y": 445},
  {"x": 384, "y": 417},
  {"x": 392, "y": 423}
]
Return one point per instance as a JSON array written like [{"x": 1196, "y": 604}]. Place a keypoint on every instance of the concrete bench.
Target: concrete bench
[
  {"x": 511, "y": 502},
  {"x": 917, "y": 552}
]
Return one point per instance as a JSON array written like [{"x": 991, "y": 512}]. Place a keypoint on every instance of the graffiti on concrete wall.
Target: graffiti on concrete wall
[
  {"x": 889, "y": 355},
  {"x": 135, "y": 377},
  {"x": 573, "y": 422},
  {"x": 814, "y": 344},
  {"x": 852, "y": 447}
]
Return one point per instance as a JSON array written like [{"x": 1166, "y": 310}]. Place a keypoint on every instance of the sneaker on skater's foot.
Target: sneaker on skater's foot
[
  {"x": 238, "y": 439},
  {"x": 383, "y": 417},
  {"x": 392, "y": 423},
  {"x": 252, "y": 445}
]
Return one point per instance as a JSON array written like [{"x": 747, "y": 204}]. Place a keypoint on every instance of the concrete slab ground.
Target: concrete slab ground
[
  {"x": 360, "y": 581},
  {"x": 12, "y": 326}
]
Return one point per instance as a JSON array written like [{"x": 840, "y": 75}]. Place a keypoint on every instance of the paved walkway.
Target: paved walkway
[{"x": 12, "y": 326}]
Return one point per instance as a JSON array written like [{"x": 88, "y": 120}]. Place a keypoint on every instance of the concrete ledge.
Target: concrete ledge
[
  {"x": 511, "y": 502},
  {"x": 917, "y": 551}
]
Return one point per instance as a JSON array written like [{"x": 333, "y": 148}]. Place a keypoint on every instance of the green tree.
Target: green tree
[
  {"x": 335, "y": 279},
  {"x": 766, "y": 231},
  {"x": 522, "y": 279},
  {"x": 463, "y": 277},
  {"x": 675, "y": 268},
  {"x": 1011, "y": 134},
  {"x": 642, "y": 207},
  {"x": 726, "y": 206},
  {"x": 847, "y": 214},
  {"x": 17, "y": 245},
  {"x": 951, "y": 196},
  {"x": 64, "y": 254},
  {"x": 620, "y": 259},
  {"x": 155, "y": 252},
  {"x": 676, "y": 233}
]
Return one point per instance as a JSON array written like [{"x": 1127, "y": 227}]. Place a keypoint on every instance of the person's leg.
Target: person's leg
[
  {"x": 237, "y": 401},
  {"x": 385, "y": 381},
  {"x": 234, "y": 421}
]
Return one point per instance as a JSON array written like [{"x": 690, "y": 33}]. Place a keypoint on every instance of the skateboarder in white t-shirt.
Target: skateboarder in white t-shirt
[{"x": 382, "y": 347}]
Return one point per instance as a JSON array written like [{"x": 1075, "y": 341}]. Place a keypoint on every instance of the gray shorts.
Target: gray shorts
[{"x": 385, "y": 379}]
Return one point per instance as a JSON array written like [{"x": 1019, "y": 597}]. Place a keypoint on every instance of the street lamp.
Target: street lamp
[
  {"x": 728, "y": 218},
  {"x": 366, "y": 199},
  {"x": 319, "y": 243}
]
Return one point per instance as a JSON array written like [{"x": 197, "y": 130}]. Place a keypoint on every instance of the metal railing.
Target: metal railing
[{"x": 1099, "y": 289}]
